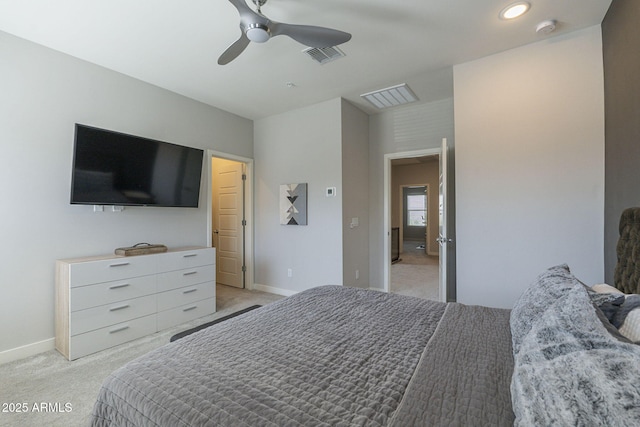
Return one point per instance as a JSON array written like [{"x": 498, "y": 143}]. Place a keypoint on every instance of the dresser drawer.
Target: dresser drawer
[
  {"x": 107, "y": 270},
  {"x": 99, "y": 317},
  {"x": 186, "y": 295},
  {"x": 181, "y": 278},
  {"x": 179, "y": 260},
  {"x": 84, "y": 297},
  {"x": 186, "y": 313},
  {"x": 91, "y": 342},
  {"x": 103, "y": 301}
]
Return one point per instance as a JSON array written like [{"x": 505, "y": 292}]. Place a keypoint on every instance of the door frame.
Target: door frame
[
  {"x": 248, "y": 210},
  {"x": 386, "y": 221}
]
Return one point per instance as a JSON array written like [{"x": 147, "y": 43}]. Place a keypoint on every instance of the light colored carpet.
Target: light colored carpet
[
  {"x": 68, "y": 389},
  {"x": 416, "y": 274}
]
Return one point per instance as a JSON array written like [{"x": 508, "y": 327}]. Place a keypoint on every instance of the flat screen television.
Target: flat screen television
[{"x": 112, "y": 168}]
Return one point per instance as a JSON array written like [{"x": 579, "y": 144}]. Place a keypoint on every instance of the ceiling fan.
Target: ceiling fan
[{"x": 258, "y": 28}]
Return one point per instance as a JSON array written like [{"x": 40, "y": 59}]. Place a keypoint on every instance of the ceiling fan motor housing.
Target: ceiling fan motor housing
[{"x": 258, "y": 33}]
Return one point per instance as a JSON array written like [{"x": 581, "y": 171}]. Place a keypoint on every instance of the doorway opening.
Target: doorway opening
[
  {"x": 229, "y": 218},
  {"x": 412, "y": 218}
]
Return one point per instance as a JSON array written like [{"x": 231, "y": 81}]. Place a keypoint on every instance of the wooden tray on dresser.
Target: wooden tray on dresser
[{"x": 141, "y": 249}]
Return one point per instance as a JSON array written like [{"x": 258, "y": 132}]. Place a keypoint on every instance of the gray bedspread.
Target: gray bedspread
[
  {"x": 464, "y": 376},
  {"x": 332, "y": 356}
]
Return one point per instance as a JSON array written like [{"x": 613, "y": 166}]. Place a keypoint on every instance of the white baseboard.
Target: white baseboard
[
  {"x": 27, "y": 350},
  {"x": 272, "y": 290}
]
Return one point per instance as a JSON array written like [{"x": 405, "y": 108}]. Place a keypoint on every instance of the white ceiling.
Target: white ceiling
[{"x": 175, "y": 44}]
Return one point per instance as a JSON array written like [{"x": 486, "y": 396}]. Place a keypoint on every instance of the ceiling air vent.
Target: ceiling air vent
[
  {"x": 391, "y": 96},
  {"x": 324, "y": 54}
]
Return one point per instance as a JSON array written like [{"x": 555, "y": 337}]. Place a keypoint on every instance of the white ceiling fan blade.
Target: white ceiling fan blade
[
  {"x": 234, "y": 50},
  {"x": 310, "y": 35}
]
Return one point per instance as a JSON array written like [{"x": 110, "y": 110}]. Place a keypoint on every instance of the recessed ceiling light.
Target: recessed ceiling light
[{"x": 515, "y": 10}]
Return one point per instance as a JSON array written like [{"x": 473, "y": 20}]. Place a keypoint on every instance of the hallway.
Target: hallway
[{"x": 416, "y": 273}]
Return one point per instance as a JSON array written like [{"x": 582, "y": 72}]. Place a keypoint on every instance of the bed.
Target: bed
[
  {"x": 339, "y": 356},
  {"x": 329, "y": 356}
]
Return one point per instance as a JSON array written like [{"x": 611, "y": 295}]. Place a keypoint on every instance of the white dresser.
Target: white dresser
[{"x": 105, "y": 301}]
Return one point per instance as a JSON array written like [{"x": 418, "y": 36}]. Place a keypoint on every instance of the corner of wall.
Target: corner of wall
[{"x": 355, "y": 195}]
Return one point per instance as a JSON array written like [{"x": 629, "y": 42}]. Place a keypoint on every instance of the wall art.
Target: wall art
[{"x": 293, "y": 204}]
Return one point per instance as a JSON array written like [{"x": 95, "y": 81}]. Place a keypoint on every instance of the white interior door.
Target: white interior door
[
  {"x": 227, "y": 211},
  {"x": 442, "y": 220}
]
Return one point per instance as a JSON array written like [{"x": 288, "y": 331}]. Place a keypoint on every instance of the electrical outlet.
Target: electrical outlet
[
  {"x": 289, "y": 272},
  {"x": 357, "y": 274}
]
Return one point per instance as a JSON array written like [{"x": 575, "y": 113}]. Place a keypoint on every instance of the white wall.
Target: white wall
[
  {"x": 301, "y": 146},
  {"x": 355, "y": 196},
  {"x": 529, "y": 126},
  {"x": 408, "y": 128},
  {"x": 43, "y": 94}
]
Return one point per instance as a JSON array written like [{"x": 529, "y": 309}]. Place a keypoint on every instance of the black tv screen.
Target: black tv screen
[{"x": 112, "y": 168}]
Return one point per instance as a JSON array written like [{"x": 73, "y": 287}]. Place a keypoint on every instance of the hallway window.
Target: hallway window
[{"x": 416, "y": 210}]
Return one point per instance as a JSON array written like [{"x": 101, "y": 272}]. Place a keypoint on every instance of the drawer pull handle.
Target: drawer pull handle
[
  {"x": 120, "y": 264},
  {"x": 120, "y": 307},
  {"x": 189, "y": 273},
  {"x": 190, "y": 308},
  {"x": 120, "y": 329},
  {"x": 123, "y": 285},
  {"x": 189, "y": 291},
  {"x": 189, "y": 255}
]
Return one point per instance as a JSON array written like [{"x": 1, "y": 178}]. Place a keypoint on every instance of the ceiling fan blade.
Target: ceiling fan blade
[
  {"x": 234, "y": 50},
  {"x": 310, "y": 35},
  {"x": 241, "y": 5},
  {"x": 248, "y": 15}
]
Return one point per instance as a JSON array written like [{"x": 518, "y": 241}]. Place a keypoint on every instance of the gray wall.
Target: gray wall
[
  {"x": 355, "y": 196},
  {"x": 303, "y": 145},
  {"x": 44, "y": 93},
  {"x": 529, "y": 128},
  {"x": 621, "y": 41},
  {"x": 324, "y": 145}
]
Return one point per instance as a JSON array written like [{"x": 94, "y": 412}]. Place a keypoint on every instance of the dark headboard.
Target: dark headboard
[{"x": 627, "y": 274}]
